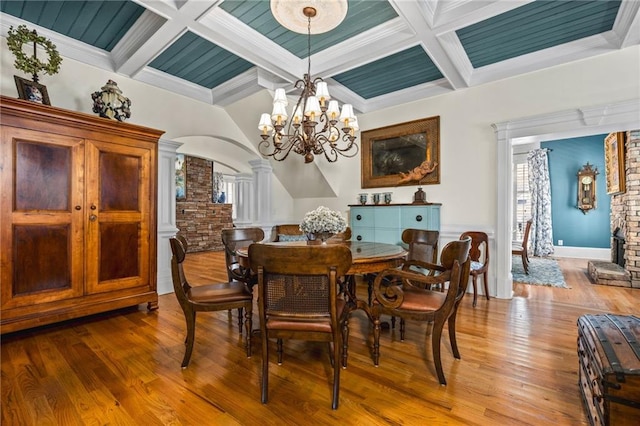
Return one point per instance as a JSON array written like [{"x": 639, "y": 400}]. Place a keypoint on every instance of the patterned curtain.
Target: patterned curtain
[
  {"x": 218, "y": 186},
  {"x": 541, "y": 235}
]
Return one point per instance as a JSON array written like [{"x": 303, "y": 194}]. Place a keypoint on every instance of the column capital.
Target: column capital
[{"x": 261, "y": 164}]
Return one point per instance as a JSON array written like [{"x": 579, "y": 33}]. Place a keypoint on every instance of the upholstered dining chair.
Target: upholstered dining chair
[
  {"x": 287, "y": 232},
  {"x": 421, "y": 245},
  {"x": 299, "y": 299},
  {"x": 233, "y": 239},
  {"x": 342, "y": 236},
  {"x": 413, "y": 300},
  {"x": 521, "y": 248},
  {"x": 209, "y": 297},
  {"x": 479, "y": 254},
  {"x": 292, "y": 232}
]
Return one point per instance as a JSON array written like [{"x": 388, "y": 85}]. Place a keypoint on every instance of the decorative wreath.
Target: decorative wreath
[{"x": 30, "y": 64}]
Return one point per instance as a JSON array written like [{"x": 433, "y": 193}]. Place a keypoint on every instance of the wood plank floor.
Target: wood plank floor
[{"x": 518, "y": 367}]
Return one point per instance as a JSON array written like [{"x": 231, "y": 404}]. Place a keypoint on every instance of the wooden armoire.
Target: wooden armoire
[{"x": 77, "y": 214}]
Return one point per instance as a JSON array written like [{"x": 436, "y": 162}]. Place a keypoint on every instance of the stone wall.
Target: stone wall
[
  {"x": 200, "y": 220},
  {"x": 625, "y": 208}
]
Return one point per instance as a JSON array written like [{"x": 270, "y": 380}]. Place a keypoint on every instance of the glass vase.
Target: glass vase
[{"x": 316, "y": 238}]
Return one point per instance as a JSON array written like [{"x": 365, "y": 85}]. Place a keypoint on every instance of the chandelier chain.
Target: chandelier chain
[{"x": 309, "y": 46}]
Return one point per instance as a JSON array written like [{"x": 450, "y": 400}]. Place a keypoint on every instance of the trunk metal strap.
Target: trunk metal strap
[
  {"x": 627, "y": 333},
  {"x": 596, "y": 321}
]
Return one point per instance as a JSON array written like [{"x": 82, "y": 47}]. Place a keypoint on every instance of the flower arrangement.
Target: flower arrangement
[{"x": 323, "y": 219}]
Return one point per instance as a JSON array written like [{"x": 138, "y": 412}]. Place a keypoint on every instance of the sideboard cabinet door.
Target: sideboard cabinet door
[{"x": 78, "y": 215}]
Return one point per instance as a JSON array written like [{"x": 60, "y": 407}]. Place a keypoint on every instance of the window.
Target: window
[
  {"x": 229, "y": 189},
  {"x": 522, "y": 201}
]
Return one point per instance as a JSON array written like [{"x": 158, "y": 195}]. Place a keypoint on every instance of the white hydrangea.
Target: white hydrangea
[{"x": 323, "y": 219}]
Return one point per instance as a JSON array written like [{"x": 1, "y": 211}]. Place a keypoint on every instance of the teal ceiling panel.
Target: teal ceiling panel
[
  {"x": 199, "y": 61},
  {"x": 399, "y": 71},
  {"x": 535, "y": 26},
  {"x": 362, "y": 15},
  {"x": 99, "y": 23}
]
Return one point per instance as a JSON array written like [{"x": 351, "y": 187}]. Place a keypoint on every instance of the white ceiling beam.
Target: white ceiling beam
[{"x": 415, "y": 17}]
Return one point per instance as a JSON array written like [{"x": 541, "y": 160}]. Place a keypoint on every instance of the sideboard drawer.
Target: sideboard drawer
[
  {"x": 360, "y": 233},
  {"x": 420, "y": 218},
  {"x": 361, "y": 217},
  {"x": 387, "y": 217}
]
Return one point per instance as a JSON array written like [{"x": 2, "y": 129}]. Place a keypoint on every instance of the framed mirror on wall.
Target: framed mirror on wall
[{"x": 392, "y": 151}]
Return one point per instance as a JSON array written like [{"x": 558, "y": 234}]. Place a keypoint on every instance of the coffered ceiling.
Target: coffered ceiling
[{"x": 384, "y": 53}]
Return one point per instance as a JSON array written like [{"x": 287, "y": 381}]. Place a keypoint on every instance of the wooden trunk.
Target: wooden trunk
[
  {"x": 78, "y": 213},
  {"x": 609, "y": 357}
]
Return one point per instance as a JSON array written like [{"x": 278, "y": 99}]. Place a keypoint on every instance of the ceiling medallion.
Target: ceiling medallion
[
  {"x": 317, "y": 125},
  {"x": 291, "y": 14}
]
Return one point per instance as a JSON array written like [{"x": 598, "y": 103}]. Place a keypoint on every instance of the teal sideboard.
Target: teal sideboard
[{"x": 384, "y": 223}]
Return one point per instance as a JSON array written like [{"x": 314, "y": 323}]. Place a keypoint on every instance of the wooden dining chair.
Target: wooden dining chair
[
  {"x": 520, "y": 248},
  {"x": 287, "y": 232},
  {"x": 299, "y": 299},
  {"x": 421, "y": 245},
  {"x": 412, "y": 300},
  {"x": 209, "y": 297},
  {"x": 479, "y": 254},
  {"x": 341, "y": 236},
  {"x": 236, "y": 238}
]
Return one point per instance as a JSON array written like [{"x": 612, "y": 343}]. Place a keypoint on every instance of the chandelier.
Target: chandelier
[{"x": 316, "y": 125}]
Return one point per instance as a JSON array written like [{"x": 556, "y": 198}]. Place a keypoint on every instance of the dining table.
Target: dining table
[{"x": 367, "y": 258}]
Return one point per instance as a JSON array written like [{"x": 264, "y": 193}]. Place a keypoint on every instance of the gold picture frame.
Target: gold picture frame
[
  {"x": 614, "y": 162},
  {"x": 32, "y": 91},
  {"x": 389, "y": 151}
]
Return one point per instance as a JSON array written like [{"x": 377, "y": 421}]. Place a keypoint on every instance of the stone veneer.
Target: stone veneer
[
  {"x": 625, "y": 208},
  {"x": 200, "y": 220}
]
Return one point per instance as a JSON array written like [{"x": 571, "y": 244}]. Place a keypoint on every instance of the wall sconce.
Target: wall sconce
[{"x": 587, "y": 188}]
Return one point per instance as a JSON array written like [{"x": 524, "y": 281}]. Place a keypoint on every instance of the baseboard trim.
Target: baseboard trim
[{"x": 582, "y": 252}]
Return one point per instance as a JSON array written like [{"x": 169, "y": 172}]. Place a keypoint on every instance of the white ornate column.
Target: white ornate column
[
  {"x": 166, "y": 216},
  {"x": 504, "y": 279},
  {"x": 262, "y": 172},
  {"x": 244, "y": 196}
]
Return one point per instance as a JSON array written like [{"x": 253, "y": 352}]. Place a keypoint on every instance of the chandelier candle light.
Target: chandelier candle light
[{"x": 316, "y": 121}]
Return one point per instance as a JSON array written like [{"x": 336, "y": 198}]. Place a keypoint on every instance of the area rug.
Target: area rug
[{"x": 542, "y": 271}]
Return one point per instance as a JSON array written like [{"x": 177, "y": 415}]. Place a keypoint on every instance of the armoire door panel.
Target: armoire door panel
[
  {"x": 42, "y": 244},
  {"x": 41, "y": 258},
  {"x": 119, "y": 251},
  {"x": 118, "y": 200},
  {"x": 40, "y": 166},
  {"x": 118, "y": 175}
]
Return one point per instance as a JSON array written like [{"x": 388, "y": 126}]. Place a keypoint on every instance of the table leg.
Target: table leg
[{"x": 352, "y": 299}]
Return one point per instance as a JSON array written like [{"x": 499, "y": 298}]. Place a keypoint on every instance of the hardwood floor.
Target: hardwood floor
[{"x": 518, "y": 367}]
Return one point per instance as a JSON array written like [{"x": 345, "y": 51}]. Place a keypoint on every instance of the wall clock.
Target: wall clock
[{"x": 587, "y": 188}]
